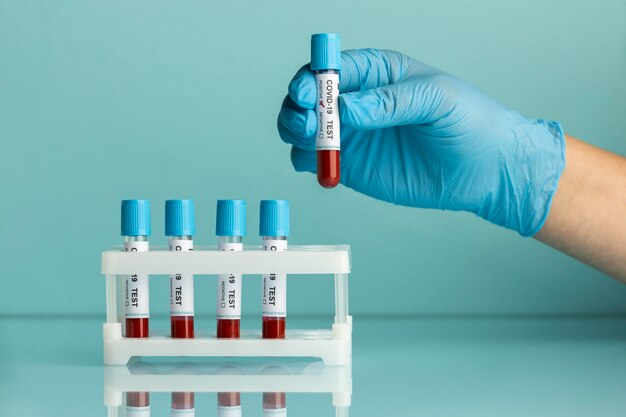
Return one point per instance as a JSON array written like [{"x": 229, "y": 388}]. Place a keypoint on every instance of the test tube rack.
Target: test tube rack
[
  {"x": 333, "y": 346},
  {"x": 292, "y": 377}
]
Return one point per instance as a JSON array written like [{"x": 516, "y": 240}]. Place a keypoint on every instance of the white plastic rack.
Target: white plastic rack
[
  {"x": 333, "y": 346},
  {"x": 292, "y": 377}
]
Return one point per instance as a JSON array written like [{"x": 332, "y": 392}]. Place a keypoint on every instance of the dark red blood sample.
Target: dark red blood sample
[
  {"x": 328, "y": 168},
  {"x": 138, "y": 399},
  {"x": 183, "y": 400},
  {"x": 228, "y": 328},
  {"x": 274, "y": 327},
  {"x": 182, "y": 327},
  {"x": 228, "y": 399},
  {"x": 137, "y": 327},
  {"x": 274, "y": 400}
]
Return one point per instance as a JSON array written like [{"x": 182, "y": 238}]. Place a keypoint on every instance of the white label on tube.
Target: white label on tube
[
  {"x": 229, "y": 289},
  {"x": 183, "y": 412},
  {"x": 327, "y": 109},
  {"x": 136, "y": 288},
  {"x": 274, "y": 285},
  {"x": 181, "y": 285},
  {"x": 275, "y": 412},
  {"x": 234, "y": 411},
  {"x": 138, "y": 411}
]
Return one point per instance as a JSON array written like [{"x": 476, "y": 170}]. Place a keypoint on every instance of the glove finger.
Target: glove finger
[
  {"x": 360, "y": 69},
  {"x": 363, "y": 69},
  {"x": 409, "y": 102},
  {"x": 302, "y": 88},
  {"x": 297, "y": 126},
  {"x": 303, "y": 160}
]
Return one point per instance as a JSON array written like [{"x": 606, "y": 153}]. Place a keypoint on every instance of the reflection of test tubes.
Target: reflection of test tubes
[
  {"x": 230, "y": 227},
  {"x": 136, "y": 229},
  {"x": 274, "y": 404},
  {"x": 274, "y": 228},
  {"x": 180, "y": 227},
  {"x": 183, "y": 404},
  {"x": 326, "y": 63},
  {"x": 228, "y": 404},
  {"x": 138, "y": 404}
]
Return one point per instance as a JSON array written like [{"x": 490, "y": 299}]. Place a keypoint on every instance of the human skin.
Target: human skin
[{"x": 587, "y": 219}]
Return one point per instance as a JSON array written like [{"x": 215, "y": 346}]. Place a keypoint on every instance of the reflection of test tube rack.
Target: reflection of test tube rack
[
  {"x": 333, "y": 346},
  {"x": 307, "y": 377}
]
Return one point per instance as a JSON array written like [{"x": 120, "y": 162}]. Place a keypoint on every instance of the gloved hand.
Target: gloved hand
[{"x": 415, "y": 136}]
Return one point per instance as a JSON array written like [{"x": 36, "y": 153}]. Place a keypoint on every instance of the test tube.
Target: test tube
[
  {"x": 230, "y": 228},
  {"x": 326, "y": 64},
  {"x": 274, "y": 229},
  {"x": 136, "y": 229},
  {"x": 180, "y": 227}
]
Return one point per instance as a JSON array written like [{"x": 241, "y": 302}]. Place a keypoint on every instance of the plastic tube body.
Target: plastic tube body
[
  {"x": 328, "y": 138},
  {"x": 229, "y": 294},
  {"x": 181, "y": 294},
  {"x": 274, "y": 287},
  {"x": 136, "y": 293}
]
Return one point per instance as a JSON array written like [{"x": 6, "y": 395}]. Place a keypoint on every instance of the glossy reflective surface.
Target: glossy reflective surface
[{"x": 431, "y": 366}]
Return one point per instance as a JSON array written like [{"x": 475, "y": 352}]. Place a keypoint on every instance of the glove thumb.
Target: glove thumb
[{"x": 407, "y": 102}]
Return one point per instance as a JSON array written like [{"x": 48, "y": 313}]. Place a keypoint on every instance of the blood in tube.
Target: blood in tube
[
  {"x": 274, "y": 229},
  {"x": 328, "y": 168},
  {"x": 180, "y": 227},
  {"x": 326, "y": 64},
  {"x": 138, "y": 404},
  {"x": 230, "y": 228},
  {"x": 136, "y": 229}
]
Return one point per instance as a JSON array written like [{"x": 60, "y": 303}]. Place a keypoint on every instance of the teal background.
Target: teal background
[{"x": 101, "y": 101}]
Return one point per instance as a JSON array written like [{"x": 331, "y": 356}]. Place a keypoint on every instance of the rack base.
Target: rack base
[{"x": 334, "y": 347}]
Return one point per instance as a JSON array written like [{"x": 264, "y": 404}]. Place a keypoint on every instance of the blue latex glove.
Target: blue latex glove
[{"x": 415, "y": 136}]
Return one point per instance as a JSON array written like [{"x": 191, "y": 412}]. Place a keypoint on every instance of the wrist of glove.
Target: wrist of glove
[{"x": 530, "y": 168}]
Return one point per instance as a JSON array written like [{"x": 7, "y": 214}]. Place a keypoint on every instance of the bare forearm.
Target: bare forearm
[{"x": 588, "y": 215}]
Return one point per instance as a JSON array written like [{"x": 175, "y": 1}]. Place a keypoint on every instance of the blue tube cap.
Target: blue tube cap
[
  {"x": 231, "y": 218},
  {"x": 179, "y": 218},
  {"x": 325, "y": 51},
  {"x": 274, "y": 218},
  {"x": 136, "y": 218}
]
